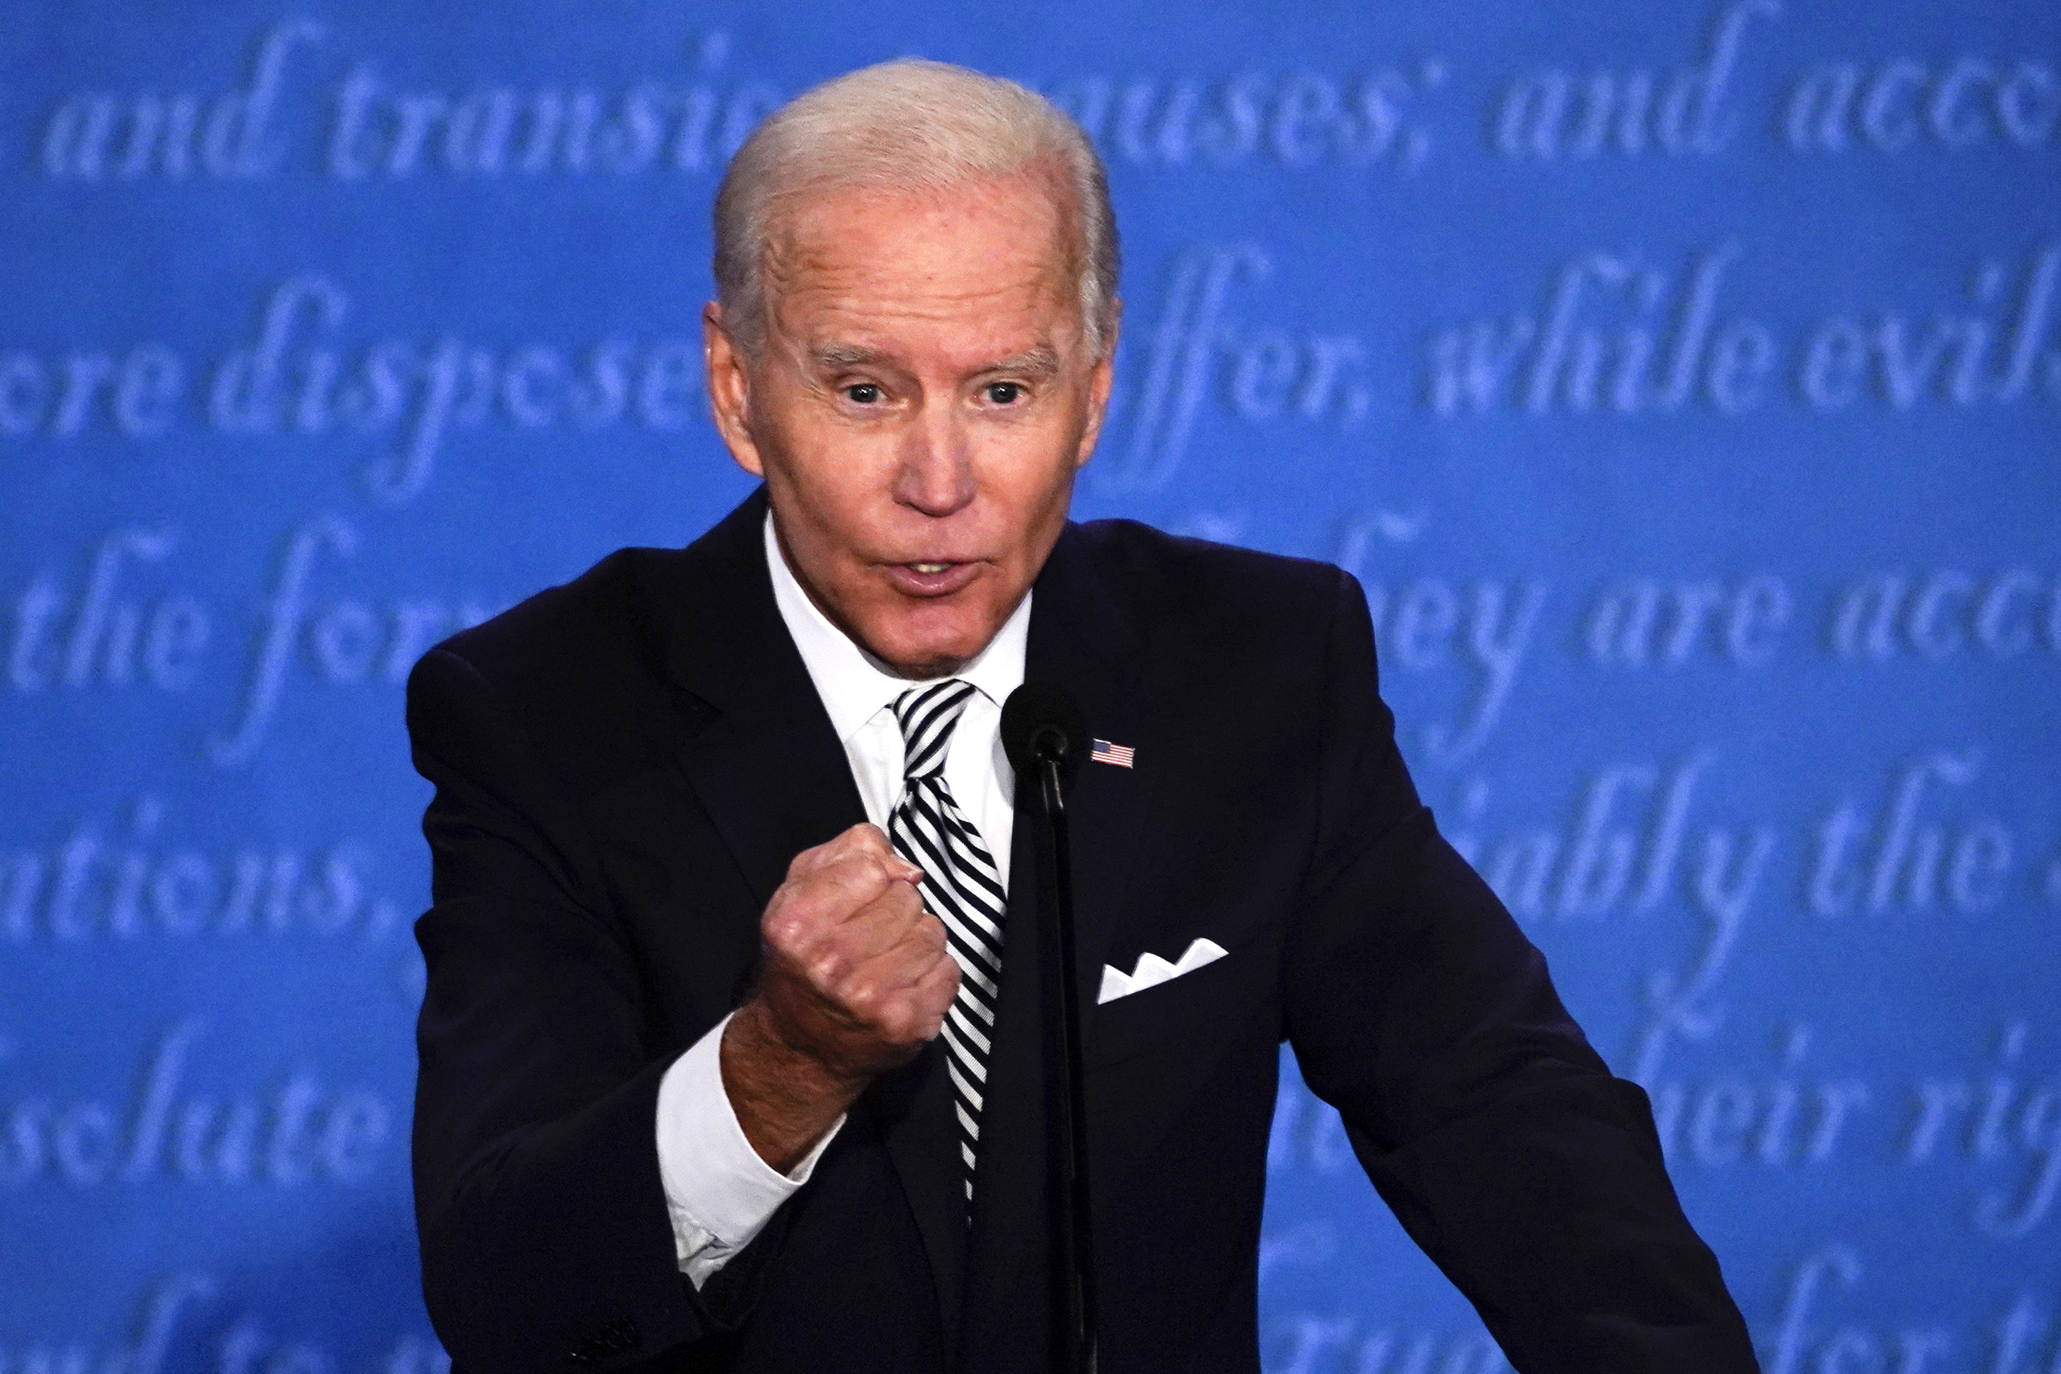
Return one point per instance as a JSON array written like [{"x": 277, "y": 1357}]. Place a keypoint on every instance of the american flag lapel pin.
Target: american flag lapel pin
[{"x": 1102, "y": 751}]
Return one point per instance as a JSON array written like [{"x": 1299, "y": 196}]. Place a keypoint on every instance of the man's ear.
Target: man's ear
[
  {"x": 729, "y": 390},
  {"x": 1100, "y": 380}
]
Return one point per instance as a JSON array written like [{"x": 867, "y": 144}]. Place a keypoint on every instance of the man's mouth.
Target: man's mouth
[{"x": 932, "y": 577}]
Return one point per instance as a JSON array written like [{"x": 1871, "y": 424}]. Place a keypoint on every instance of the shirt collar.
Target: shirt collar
[{"x": 855, "y": 685}]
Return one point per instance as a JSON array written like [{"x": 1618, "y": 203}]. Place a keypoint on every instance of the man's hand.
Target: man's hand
[{"x": 857, "y": 980}]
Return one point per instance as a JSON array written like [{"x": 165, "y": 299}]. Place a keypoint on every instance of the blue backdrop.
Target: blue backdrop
[{"x": 1681, "y": 378}]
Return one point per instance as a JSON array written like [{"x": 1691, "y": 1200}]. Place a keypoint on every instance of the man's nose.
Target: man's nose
[{"x": 936, "y": 472}]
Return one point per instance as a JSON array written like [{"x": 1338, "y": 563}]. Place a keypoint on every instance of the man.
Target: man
[{"x": 731, "y": 1048}]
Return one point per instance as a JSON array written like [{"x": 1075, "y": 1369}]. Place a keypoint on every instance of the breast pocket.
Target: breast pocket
[{"x": 1194, "y": 1012}]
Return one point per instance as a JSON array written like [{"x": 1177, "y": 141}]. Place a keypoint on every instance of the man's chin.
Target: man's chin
[
  {"x": 924, "y": 652},
  {"x": 926, "y": 665}
]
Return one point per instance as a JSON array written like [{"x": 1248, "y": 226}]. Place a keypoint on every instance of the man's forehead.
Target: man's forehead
[
  {"x": 992, "y": 235},
  {"x": 977, "y": 277},
  {"x": 1031, "y": 198}
]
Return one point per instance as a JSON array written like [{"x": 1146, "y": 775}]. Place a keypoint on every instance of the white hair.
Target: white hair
[{"x": 912, "y": 126}]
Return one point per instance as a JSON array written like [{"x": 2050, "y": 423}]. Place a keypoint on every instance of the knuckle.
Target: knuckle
[
  {"x": 902, "y": 1024},
  {"x": 782, "y": 931},
  {"x": 858, "y": 877},
  {"x": 794, "y": 908},
  {"x": 863, "y": 1000},
  {"x": 813, "y": 858}
]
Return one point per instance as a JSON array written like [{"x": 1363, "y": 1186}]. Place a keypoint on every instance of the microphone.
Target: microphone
[
  {"x": 1046, "y": 740},
  {"x": 1041, "y": 723}
]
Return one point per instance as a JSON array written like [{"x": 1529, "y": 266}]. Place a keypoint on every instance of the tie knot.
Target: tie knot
[{"x": 927, "y": 716}]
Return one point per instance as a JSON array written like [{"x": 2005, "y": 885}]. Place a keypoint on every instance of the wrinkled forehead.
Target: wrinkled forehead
[{"x": 1004, "y": 248}]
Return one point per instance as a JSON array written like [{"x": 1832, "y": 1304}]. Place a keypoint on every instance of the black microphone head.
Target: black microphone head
[{"x": 1038, "y": 721}]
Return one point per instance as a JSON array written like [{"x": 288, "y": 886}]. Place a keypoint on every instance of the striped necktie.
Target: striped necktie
[{"x": 961, "y": 887}]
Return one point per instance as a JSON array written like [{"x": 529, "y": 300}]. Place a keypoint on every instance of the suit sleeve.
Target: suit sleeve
[
  {"x": 1528, "y": 1173},
  {"x": 545, "y": 1235}
]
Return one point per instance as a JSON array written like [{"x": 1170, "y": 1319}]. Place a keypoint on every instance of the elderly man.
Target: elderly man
[{"x": 731, "y": 1052}]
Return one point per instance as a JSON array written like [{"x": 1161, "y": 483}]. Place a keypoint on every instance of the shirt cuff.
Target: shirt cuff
[{"x": 719, "y": 1193}]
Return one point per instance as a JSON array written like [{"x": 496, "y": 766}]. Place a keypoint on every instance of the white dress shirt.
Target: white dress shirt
[{"x": 718, "y": 1191}]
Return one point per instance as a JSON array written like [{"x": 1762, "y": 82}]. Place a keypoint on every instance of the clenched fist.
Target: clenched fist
[{"x": 857, "y": 979}]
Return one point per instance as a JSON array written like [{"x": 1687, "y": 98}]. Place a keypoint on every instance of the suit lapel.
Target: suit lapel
[
  {"x": 1080, "y": 641},
  {"x": 768, "y": 769},
  {"x": 774, "y": 779}
]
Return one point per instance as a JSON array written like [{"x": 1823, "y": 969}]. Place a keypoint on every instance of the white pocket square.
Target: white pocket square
[{"x": 1153, "y": 970}]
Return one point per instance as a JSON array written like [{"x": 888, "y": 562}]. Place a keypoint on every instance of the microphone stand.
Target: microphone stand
[{"x": 1072, "y": 1236}]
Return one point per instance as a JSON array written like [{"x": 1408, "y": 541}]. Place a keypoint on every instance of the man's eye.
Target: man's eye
[
  {"x": 862, "y": 393},
  {"x": 1004, "y": 393}
]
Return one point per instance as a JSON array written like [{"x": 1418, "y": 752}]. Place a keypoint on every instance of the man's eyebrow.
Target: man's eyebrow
[
  {"x": 1040, "y": 361},
  {"x": 833, "y": 357}
]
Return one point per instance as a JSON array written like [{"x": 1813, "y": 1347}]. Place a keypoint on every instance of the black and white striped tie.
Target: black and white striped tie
[{"x": 961, "y": 887}]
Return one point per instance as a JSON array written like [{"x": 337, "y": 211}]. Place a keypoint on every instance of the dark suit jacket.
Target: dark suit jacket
[{"x": 624, "y": 767}]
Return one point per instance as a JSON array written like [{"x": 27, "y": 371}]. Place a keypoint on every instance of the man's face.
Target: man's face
[{"x": 921, "y": 403}]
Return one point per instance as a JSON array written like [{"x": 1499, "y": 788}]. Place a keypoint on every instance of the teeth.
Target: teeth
[{"x": 930, "y": 567}]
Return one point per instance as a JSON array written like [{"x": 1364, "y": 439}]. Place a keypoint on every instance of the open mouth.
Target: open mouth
[{"x": 932, "y": 577}]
